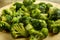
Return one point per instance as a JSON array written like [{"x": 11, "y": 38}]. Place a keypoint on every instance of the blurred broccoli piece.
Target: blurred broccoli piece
[
  {"x": 4, "y": 26},
  {"x": 32, "y": 7},
  {"x": 18, "y": 5},
  {"x": 16, "y": 19},
  {"x": 44, "y": 31},
  {"x": 44, "y": 7},
  {"x": 38, "y": 24},
  {"x": 54, "y": 13},
  {"x": 18, "y": 30},
  {"x": 43, "y": 16},
  {"x": 35, "y": 13},
  {"x": 6, "y": 18},
  {"x": 24, "y": 8},
  {"x": 34, "y": 34},
  {"x": 55, "y": 28},
  {"x": 6, "y": 11},
  {"x": 28, "y": 2},
  {"x": 25, "y": 20}
]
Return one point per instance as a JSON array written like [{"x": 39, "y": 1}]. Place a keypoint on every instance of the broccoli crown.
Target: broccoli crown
[
  {"x": 18, "y": 30},
  {"x": 54, "y": 13},
  {"x": 38, "y": 24},
  {"x": 36, "y": 35},
  {"x": 28, "y": 2}
]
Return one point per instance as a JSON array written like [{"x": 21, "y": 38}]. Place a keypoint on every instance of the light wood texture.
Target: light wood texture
[{"x": 7, "y": 36}]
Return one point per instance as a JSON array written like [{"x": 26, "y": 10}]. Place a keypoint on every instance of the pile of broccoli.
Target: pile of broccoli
[{"x": 30, "y": 20}]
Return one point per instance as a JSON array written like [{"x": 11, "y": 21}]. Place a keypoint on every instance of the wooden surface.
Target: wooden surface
[{"x": 7, "y": 36}]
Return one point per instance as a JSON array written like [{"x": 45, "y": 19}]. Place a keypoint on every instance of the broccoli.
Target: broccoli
[
  {"x": 28, "y": 2},
  {"x": 44, "y": 7},
  {"x": 18, "y": 5},
  {"x": 25, "y": 20},
  {"x": 38, "y": 24},
  {"x": 44, "y": 31},
  {"x": 4, "y": 26},
  {"x": 36, "y": 35},
  {"x": 53, "y": 26},
  {"x": 32, "y": 7},
  {"x": 18, "y": 30},
  {"x": 43, "y": 16},
  {"x": 54, "y": 13},
  {"x": 35, "y": 13},
  {"x": 6, "y": 12},
  {"x": 6, "y": 18}
]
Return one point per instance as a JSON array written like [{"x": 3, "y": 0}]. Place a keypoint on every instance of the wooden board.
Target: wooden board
[{"x": 7, "y": 36}]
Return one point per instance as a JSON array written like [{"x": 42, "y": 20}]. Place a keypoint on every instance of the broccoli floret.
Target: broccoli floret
[
  {"x": 54, "y": 13},
  {"x": 44, "y": 31},
  {"x": 43, "y": 16},
  {"x": 32, "y": 7},
  {"x": 6, "y": 12},
  {"x": 28, "y": 2},
  {"x": 54, "y": 28},
  {"x": 18, "y": 5},
  {"x": 18, "y": 30},
  {"x": 4, "y": 26},
  {"x": 44, "y": 7},
  {"x": 15, "y": 19},
  {"x": 25, "y": 20},
  {"x": 38, "y": 24},
  {"x": 35, "y": 13},
  {"x": 6, "y": 18},
  {"x": 36, "y": 35}
]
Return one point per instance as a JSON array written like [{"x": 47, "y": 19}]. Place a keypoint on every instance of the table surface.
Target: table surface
[{"x": 6, "y": 2}]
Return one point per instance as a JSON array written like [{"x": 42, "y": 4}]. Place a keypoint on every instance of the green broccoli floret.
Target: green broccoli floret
[
  {"x": 6, "y": 18},
  {"x": 28, "y": 2},
  {"x": 36, "y": 35},
  {"x": 16, "y": 19},
  {"x": 54, "y": 13},
  {"x": 38, "y": 24},
  {"x": 18, "y": 30},
  {"x": 35, "y": 13},
  {"x": 53, "y": 26},
  {"x": 4, "y": 26},
  {"x": 18, "y": 5},
  {"x": 44, "y": 7},
  {"x": 43, "y": 16},
  {"x": 6, "y": 12},
  {"x": 44, "y": 31},
  {"x": 32, "y": 7},
  {"x": 25, "y": 20}
]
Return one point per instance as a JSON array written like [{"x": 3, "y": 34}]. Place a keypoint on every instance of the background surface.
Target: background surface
[{"x": 6, "y": 2}]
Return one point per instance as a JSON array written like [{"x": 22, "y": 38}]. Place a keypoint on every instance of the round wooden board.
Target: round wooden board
[{"x": 7, "y": 36}]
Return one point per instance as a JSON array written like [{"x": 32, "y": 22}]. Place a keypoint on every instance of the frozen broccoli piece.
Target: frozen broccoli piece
[
  {"x": 4, "y": 26},
  {"x": 18, "y": 5},
  {"x": 25, "y": 20},
  {"x": 34, "y": 34},
  {"x": 38, "y": 24},
  {"x": 28, "y": 2},
  {"x": 35, "y": 13},
  {"x": 54, "y": 13},
  {"x": 6, "y": 18},
  {"x": 44, "y": 31},
  {"x": 18, "y": 30}
]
